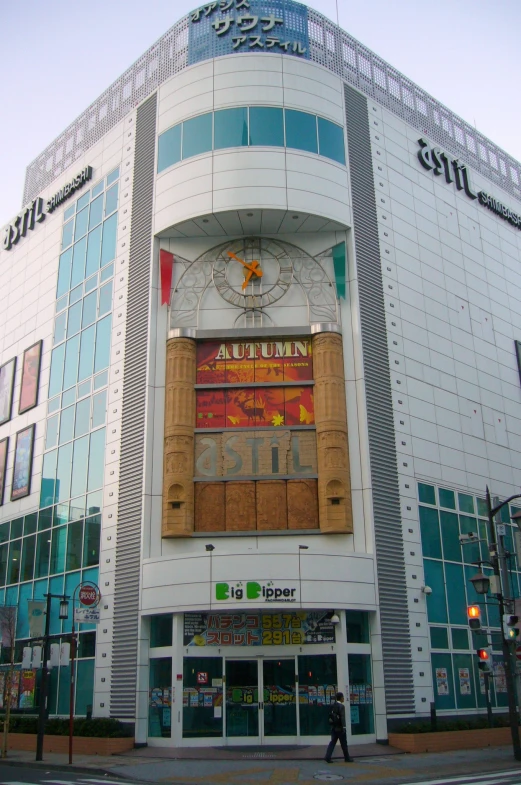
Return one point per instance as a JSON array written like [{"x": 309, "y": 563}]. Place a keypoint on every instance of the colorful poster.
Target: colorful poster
[
  {"x": 30, "y": 377},
  {"x": 210, "y": 409},
  {"x": 23, "y": 459},
  {"x": 261, "y": 362},
  {"x": 464, "y": 681},
  {"x": 355, "y": 715},
  {"x": 257, "y": 629},
  {"x": 15, "y": 688},
  {"x": 4, "y": 449},
  {"x": 7, "y": 371},
  {"x": 442, "y": 683},
  {"x": 500, "y": 681},
  {"x": 210, "y": 364},
  {"x": 28, "y": 685},
  {"x": 254, "y": 407}
]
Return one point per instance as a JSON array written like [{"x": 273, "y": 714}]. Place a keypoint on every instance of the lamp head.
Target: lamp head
[
  {"x": 210, "y": 547},
  {"x": 480, "y": 582},
  {"x": 64, "y": 609}
]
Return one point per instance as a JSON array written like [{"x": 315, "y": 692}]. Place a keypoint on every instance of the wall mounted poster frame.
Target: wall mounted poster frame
[
  {"x": 30, "y": 377},
  {"x": 7, "y": 371},
  {"x": 4, "y": 448},
  {"x": 23, "y": 461}
]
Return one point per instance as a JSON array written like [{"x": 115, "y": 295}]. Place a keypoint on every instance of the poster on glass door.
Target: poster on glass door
[{"x": 258, "y": 629}]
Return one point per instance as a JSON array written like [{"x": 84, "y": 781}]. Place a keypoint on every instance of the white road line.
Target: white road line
[
  {"x": 105, "y": 782},
  {"x": 483, "y": 779}
]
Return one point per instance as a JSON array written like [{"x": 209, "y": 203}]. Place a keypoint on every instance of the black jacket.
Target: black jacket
[{"x": 340, "y": 710}]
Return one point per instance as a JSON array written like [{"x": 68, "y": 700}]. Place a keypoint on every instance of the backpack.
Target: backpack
[{"x": 334, "y": 716}]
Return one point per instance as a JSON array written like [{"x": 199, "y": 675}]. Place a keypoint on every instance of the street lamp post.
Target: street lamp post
[{"x": 42, "y": 711}]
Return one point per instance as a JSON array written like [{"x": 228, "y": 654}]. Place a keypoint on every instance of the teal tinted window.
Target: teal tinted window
[
  {"x": 93, "y": 251},
  {"x": 357, "y": 627},
  {"x": 67, "y": 234},
  {"x": 17, "y": 527},
  {"x": 96, "y": 460},
  {"x": 98, "y": 188},
  {"x": 447, "y": 498},
  {"x": 56, "y": 375},
  {"x": 105, "y": 299},
  {"x": 47, "y": 491},
  {"x": 74, "y": 545},
  {"x": 111, "y": 199},
  {"x": 331, "y": 140},
  {"x": 169, "y": 148},
  {"x": 112, "y": 176},
  {"x": 84, "y": 685},
  {"x": 86, "y": 353},
  {"x": 439, "y": 638},
  {"x": 430, "y": 532},
  {"x": 66, "y": 424},
  {"x": 436, "y": 604},
  {"x": 450, "y": 536},
  {"x": 106, "y": 273},
  {"x": 75, "y": 294},
  {"x": 74, "y": 320},
  {"x": 64, "y": 273},
  {"x": 78, "y": 262},
  {"x": 426, "y": 493},
  {"x": 161, "y": 630},
  {"x": 69, "y": 212},
  {"x": 89, "y": 309},
  {"x": 99, "y": 408},
  {"x": 108, "y": 246},
  {"x": 456, "y": 593},
  {"x": 68, "y": 397},
  {"x": 96, "y": 212},
  {"x": 59, "y": 328},
  {"x": 29, "y": 548},
  {"x": 230, "y": 128},
  {"x": 70, "y": 373},
  {"x": 82, "y": 201},
  {"x": 15, "y": 554},
  {"x": 82, "y": 417},
  {"x": 463, "y": 680},
  {"x": 43, "y": 551},
  {"x": 59, "y": 537},
  {"x": 466, "y": 503},
  {"x": 470, "y": 550},
  {"x": 30, "y": 523},
  {"x": 266, "y": 126},
  {"x": 301, "y": 131},
  {"x": 63, "y": 472},
  {"x": 197, "y": 135},
  {"x": 79, "y": 466},
  {"x": 82, "y": 221},
  {"x": 102, "y": 353},
  {"x": 482, "y": 508},
  {"x": 92, "y": 540},
  {"x": 460, "y": 638},
  {"x": 442, "y": 681}
]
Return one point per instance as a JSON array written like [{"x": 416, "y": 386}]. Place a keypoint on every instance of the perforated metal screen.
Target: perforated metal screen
[{"x": 329, "y": 46}]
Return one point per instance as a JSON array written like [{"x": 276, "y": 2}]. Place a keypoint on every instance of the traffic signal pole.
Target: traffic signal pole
[{"x": 498, "y": 560}]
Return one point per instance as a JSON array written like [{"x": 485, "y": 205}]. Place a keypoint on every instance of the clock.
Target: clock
[{"x": 252, "y": 273}]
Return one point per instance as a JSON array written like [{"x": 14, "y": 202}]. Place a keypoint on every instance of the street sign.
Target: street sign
[
  {"x": 518, "y": 652},
  {"x": 87, "y": 615},
  {"x": 89, "y": 594}
]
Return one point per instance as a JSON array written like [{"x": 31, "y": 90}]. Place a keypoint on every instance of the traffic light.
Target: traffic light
[
  {"x": 474, "y": 617},
  {"x": 485, "y": 659},
  {"x": 510, "y": 630}
]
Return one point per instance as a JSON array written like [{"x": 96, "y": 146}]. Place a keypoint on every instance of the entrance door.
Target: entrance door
[{"x": 275, "y": 713}]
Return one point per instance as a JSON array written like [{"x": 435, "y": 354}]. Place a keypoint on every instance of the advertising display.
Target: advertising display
[
  {"x": 30, "y": 377},
  {"x": 257, "y": 629},
  {"x": 7, "y": 371},
  {"x": 23, "y": 459},
  {"x": 276, "y": 361},
  {"x": 4, "y": 447}
]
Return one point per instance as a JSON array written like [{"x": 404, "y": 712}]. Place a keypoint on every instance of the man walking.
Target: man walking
[{"x": 338, "y": 729}]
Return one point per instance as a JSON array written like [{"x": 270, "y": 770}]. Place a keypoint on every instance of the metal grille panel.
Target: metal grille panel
[
  {"x": 130, "y": 509},
  {"x": 399, "y": 689},
  {"x": 329, "y": 46}
]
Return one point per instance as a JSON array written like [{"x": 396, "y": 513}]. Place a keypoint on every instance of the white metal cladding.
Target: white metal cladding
[
  {"x": 329, "y": 46},
  {"x": 130, "y": 508},
  {"x": 390, "y": 563}
]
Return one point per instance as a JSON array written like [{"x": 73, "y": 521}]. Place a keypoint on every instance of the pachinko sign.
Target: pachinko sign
[{"x": 295, "y": 628}]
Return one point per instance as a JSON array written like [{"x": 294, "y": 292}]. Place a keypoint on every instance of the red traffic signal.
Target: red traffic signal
[
  {"x": 485, "y": 659},
  {"x": 474, "y": 617}
]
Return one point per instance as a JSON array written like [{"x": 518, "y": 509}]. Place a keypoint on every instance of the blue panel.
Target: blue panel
[
  {"x": 231, "y": 128},
  {"x": 301, "y": 131},
  {"x": 22, "y": 625},
  {"x": 331, "y": 140},
  {"x": 169, "y": 148},
  {"x": 197, "y": 135},
  {"x": 248, "y": 29}
]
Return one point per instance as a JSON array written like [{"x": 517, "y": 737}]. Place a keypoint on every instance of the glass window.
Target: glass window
[
  {"x": 91, "y": 283},
  {"x": 92, "y": 540},
  {"x": 93, "y": 251},
  {"x": 301, "y": 130},
  {"x": 96, "y": 459},
  {"x": 266, "y": 126},
  {"x": 198, "y": 722},
  {"x": 317, "y": 676},
  {"x": 160, "y": 704},
  {"x": 29, "y": 547},
  {"x": 76, "y": 294},
  {"x": 61, "y": 304},
  {"x": 450, "y": 536},
  {"x": 67, "y": 425},
  {"x": 69, "y": 212},
  {"x": 59, "y": 328},
  {"x": 59, "y": 537},
  {"x": 70, "y": 373},
  {"x": 99, "y": 409},
  {"x": 4, "y": 531},
  {"x": 466, "y": 503},
  {"x": 112, "y": 176},
  {"x": 82, "y": 221},
  {"x": 82, "y": 201},
  {"x": 17, "y": 527},
  {"x": 169, "y": 148},
  {"x": 53, "y": 405},
  {"x": 102, "y": 354},
  {"x": 111, "y": 199},
  {"x": 106, "y": 273},
  {"x": 447, "y": 498},
  {"x": 68, "y": 397},
  {"x": 79, "y": 466},
  {"x": 101, "y": 380},
  {"x": 78, "y": 262},
  {"x": 482, "y": 508},
  {"x": 30, "y": 523},
  {"x": 84, "y": 388},
  {"x": 45, "y": 516},
  {"x": 74, "y": 545},
  {"x": 82, "y": 417},
  {"x": 4, "y": 549},
  {"x": 96, "y": 212},
  {"x": 98, "y": 188},
  {"x": 60, "y": 514},
  {"x": 331, "y": 140},
  {"x": 230, "y": 128},
  {"x": 357, "y": 627},
  {"x": 426, "y": 493},
  {"x": 430, "y": 532},
  {"x": 456, "y": 593},
  {"x": 442, "y": 681},
  {"x": 436, "y": 603},
  {"x": 460, "y": 638},
  {"x": 105, "y": 299},
  {"x": 361, "y": 698},
  {"x": 86, "y": 353},
  {"x": 51, "y": 437},
  {"x": 439, "y": 638},
  {"x": 470, "y": 550},
  {"x": 64, "y": 273},
  {"x": 67, "y": 234},
  {"x": 197, "y": 135},
  {"x": 15, "y": 556},
  {"x": 89, "y": 309},
  {"x": 48, "y": 487},
  {"x": 74, "y": 321},
  {"x": 63, "y": 472},
  {"x": 108, "y": 246},
  {"x": 161, "y": 630},
  {"x": 56, "y": 374},
  {"x": 77, "y": 508},
  {"x": 84, "y": 685}
]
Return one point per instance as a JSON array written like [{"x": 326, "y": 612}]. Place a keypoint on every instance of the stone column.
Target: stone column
[
  {"x": 334, "y": 482},
  {"x": 178, "y": 463}
]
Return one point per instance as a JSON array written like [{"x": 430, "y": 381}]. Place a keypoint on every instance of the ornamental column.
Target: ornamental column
[
  {"x": 334, "y": 481},
  {"x": 178, "y": 463}
]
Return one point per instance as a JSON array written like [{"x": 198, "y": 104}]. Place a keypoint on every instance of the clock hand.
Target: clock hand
[{"x": 253, "y": 267}]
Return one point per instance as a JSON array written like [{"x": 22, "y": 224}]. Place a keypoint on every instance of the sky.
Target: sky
[{"x": 58, "y": 56}]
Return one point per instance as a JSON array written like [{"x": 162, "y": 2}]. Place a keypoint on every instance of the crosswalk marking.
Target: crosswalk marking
[{"x": 482, "y": 779}]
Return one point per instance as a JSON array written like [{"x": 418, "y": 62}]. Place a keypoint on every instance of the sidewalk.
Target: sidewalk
[{"x": 374, "y": 763}]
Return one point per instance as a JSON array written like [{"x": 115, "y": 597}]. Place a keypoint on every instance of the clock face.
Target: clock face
[{"x": 252, "y": 273}]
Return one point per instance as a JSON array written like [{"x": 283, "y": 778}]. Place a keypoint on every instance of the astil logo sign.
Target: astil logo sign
[{"x": 270, "y": 591}]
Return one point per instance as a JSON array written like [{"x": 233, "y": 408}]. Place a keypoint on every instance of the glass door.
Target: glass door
[
  {"x": 242, "y": 699},
  {"x": 279, "y": 704}
]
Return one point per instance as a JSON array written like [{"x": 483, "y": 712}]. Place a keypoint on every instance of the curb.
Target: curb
[{"x": 64, "y": 767}]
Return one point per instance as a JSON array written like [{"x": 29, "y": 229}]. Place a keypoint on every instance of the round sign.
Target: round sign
[
  {"x": 518, "y": 652},
  {"x": 89, "y": 594}
]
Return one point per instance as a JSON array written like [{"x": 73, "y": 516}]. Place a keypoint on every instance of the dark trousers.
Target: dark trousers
[{"x": 337, "y": 735}]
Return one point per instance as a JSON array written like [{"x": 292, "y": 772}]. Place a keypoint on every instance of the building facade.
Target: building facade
[{"x": 258, "y": 365}]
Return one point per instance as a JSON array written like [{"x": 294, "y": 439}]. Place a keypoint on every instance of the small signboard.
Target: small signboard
[
  {"x": 89, "y": 594},
  {"x": 87, "y": 615},
  {"x": 202, "y": 677}
]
